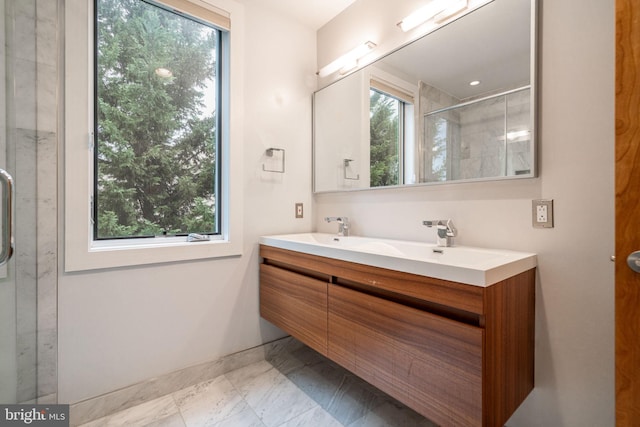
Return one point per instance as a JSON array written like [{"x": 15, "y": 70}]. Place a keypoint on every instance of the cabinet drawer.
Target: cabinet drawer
[
  {"x": 430, "y": 363},
  {"x": 295, "y": 303}
]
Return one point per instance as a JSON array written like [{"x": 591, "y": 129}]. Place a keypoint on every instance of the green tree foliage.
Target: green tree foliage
[
  {"x": 384, "y": 139},
  {"x": 437, "y": 132},
  {"x": 155, "y": 135}
]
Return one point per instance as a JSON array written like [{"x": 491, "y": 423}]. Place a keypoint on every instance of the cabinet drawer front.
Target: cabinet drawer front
[
  {"x": 295, "y": 303},
  {"x": 430, "y": 363},
  {"x": 467, "y": 298}
]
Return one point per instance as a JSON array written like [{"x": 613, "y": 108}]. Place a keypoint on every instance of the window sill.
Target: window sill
[
  {"x": 80, "y": 252},
  {"x": 149, "y": 242},
  {"x": 125, "y": 253}
]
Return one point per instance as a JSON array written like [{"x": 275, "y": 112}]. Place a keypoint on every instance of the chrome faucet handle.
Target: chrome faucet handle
[
  {"x": 343, "y": 224},
  {"x": 446, "y": 230},
  {"x": 452, "y": 231}
]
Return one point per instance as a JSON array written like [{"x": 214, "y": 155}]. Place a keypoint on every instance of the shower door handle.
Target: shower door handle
[{"x": 7, "y": 225}]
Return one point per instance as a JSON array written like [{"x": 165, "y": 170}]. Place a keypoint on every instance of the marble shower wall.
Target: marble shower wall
[
  {"x": 485, "y": 151},
  {"x": 32, "y": 90},
  {"x": 431, "y": 99},
  {"x": 486, "y": 139}
]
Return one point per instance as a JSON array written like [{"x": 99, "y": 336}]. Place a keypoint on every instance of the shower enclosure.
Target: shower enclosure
[
  {"x": 29, "y": 33},
  {"x": 488, "y": 137}
]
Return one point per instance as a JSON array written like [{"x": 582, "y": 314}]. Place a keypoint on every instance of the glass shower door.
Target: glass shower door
[{"x": 28, "y": 129}]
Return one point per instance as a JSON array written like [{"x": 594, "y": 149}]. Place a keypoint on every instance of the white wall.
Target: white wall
[
  {"x": 118, "y": 327},
  {"x": 338, "y": 133},
  {"x": 575, "y": 279}
]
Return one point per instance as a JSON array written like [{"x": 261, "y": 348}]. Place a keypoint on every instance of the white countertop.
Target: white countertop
[{"x": 463, "y": 264}]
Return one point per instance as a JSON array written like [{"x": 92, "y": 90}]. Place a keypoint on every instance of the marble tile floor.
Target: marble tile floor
[{"x": 293, "y": 388}]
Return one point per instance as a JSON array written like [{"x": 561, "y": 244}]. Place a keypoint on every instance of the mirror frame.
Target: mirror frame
[{"x": 533, "y": 73}]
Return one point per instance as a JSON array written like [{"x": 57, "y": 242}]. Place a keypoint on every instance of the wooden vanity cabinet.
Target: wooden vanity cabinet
[
  {"x": 296, "y": 303},
  {"x": 430, "y": 363},
  {"x": 460, "y": 355}
]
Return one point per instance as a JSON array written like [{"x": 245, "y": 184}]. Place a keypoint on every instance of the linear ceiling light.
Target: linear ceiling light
[{"x": 347, "y": 61}]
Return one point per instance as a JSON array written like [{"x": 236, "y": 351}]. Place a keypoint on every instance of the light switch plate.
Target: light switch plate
[
  {"x": 542, "y": 213},
  {"x": 299, "y": 210}
]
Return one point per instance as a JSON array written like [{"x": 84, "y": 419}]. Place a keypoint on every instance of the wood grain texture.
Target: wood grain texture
[
  {"x": 627, "y": 294},
  {"x": 457, "y": 295},
  {"x": 431, "y": 364},
  {"x": 297, "y": 304},
  {"x": 454, "y": 371},
  {"x": 509, "y": 346}
]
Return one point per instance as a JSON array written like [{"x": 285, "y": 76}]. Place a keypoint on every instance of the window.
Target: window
[
  {"x": 164, "y": 157},
  {"x": 157, "y": 122},
  {"x": 440, "y": 132},
  {"x": 390, "y": 131},
  {"x": 385, "y": 121}
]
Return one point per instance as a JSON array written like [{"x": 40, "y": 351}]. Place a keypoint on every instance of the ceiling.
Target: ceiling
[{"x": 312, "y": 13}]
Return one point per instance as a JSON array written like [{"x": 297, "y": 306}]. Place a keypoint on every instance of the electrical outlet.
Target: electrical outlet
[
  {"x": 299, "y": 210},
  {"x": 543, "y": 213}
]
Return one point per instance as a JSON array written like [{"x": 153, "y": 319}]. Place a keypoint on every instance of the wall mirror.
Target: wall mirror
[{"x": 456, "y": 105}]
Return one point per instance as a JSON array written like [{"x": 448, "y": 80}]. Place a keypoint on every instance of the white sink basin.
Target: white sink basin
[{"x": 473, "y": 266}]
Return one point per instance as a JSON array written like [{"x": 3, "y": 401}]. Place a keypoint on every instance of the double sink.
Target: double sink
[{"x": 462, "y": 264}]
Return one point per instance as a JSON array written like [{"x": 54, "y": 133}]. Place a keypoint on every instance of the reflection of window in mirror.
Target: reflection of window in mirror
[
  {"x": 391, "y": 118},
  {"x": 385, "y": 121},
  {"x": 439, "y": 131}
]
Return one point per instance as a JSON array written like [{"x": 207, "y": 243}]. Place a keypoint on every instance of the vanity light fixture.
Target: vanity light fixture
[
  {"x": 348, "y": 61},
  {"x": 438, "y": 12},
  {"x": 348, "y": 66}
]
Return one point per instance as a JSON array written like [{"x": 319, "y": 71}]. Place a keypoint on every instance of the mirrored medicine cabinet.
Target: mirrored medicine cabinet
[{"x": 456, "y": 105}]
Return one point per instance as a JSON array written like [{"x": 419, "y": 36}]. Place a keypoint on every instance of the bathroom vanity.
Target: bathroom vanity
[{"x": 460, "y": 352}]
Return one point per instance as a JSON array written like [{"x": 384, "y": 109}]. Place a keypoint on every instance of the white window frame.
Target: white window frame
[
  {"x": 409, "y": 123},
  {"x": 81, "y": 251}
]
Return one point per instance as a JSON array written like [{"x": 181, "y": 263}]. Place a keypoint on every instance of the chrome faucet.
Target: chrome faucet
[
  {"x": 446, "y": 231},
  {"x": 343, "y": 224}
]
